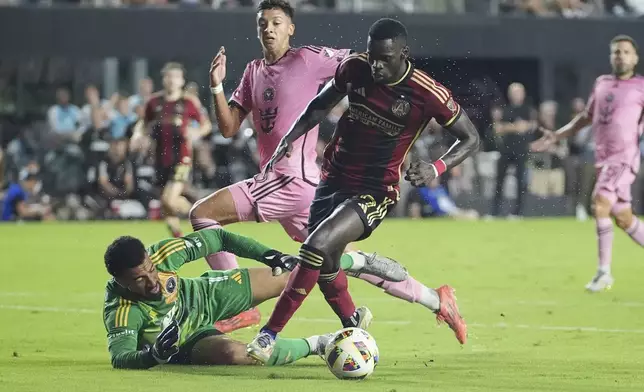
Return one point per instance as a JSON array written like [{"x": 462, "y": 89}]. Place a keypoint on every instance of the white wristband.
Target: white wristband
[
  {"x": 435, "y": 170},
  {"x": 217, "y": 89}
]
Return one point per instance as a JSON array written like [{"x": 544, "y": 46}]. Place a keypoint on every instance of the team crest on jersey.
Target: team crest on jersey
[
  {"x": 177, "y": 120},
  {"x": 171, "y": 285},
  {"x": 179, "y": 107},
  {"x": 451, "y": 105},
  {"x": 400, "y": 108},
  {"x": 610, "y": 97},
  {"x": 269, "y": 94}
]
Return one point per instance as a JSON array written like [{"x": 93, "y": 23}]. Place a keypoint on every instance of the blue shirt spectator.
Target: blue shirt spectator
[
  {"x": 15, "y": 195},
  {"x": 64, "y": 118}
]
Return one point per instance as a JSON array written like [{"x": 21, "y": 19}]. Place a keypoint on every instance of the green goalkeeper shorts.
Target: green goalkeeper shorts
[{"x": 225, "y": 294}]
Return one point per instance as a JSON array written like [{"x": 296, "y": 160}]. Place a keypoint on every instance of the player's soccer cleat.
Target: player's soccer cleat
[
  {"x": 603, "y": 281},
  {"x": 364, "y": 317},
  {"x": 383, "y": 267},
  {"x": 261, "y": 348},
  {"x": 449, "y": 313},
  {"x": 320, "y": 345},
  {"x": 242, "y": 320}
]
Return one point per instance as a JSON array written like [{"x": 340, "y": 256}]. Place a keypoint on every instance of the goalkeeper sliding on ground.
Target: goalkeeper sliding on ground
[{"x": 153, "y": 316}]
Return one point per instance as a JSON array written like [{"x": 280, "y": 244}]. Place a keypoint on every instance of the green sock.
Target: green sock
[
  {"x": 346, "y": 261},
  {"x": 287, "y": 351}
]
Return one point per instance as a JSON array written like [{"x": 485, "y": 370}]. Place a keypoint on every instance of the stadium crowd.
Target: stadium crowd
[
  {"x": 539, "y": 8},
  {"x": 79, "y": 164}
]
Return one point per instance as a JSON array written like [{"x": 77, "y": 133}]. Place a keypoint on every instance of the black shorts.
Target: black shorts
[
  {"x": 371, "y": 206},
  {"x": 176, "y": 173}
]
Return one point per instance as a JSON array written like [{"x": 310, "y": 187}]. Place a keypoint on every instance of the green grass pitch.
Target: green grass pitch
[{"x": 519, "y": 285}]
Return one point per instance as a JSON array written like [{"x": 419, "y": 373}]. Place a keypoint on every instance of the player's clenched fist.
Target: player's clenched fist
[
  {"x": 166, "y": 344},
  {"x": 218, "y": 68},
  {"x": 421, "y": 173}
]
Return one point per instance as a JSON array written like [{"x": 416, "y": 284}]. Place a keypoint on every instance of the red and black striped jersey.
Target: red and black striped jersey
[
  {"x": 383, "y": 121},
  {"x": 169, "y": 121}
]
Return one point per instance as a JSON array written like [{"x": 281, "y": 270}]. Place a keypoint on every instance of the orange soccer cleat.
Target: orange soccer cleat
[
  {"x": 449, "y": 313},
  {"x": 242, "y": 320}
]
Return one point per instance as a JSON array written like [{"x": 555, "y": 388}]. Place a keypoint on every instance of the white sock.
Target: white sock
[
  {"x": 358, "y": 261},
  {"x": 605, "y": 269},
  {"x": 313, "y": 344},
  {"x": 429, "y": 299}
]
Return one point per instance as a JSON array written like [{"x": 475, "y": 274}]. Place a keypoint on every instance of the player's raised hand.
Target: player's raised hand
[
  {"x": 545, "y": 142},
  {"x": 166, "y": 344},
  {"x": 421, "y": 173},
  {"x": 218, "y": 68}
]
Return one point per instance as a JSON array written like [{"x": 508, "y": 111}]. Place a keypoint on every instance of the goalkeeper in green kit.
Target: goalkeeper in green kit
[{"x": 152, "y": 316}]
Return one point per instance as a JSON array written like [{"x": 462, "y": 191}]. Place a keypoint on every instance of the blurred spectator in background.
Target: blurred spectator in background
[
  {"x": 115, "y": 173},
  {"x": 513, "y": 133},
  {"x": 123, "y": 117},
  {"x": 580, "y": 166},
  {"x": 64, "y": 118},
  {"x": 433, "y": 201},
  {"x": 547, "y": 177},
  {"x": 205, "y": 169},
  {"x": 93, "y": 99},
  {"x": 15, "y": 205},
  {"x": 146, "y": 87}
]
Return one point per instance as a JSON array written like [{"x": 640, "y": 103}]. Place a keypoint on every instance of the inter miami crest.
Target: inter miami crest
[
  {"x": 610, "y": 97},
  {"x": 171, "y": 285},
  {"x": 269, "y": 94},
  {"x": 400, "y": 108}
]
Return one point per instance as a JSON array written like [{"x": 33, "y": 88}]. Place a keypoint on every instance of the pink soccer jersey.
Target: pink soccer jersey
[
  {"x": 615, "y": 107},
  {"x": 276, "y": 94}
]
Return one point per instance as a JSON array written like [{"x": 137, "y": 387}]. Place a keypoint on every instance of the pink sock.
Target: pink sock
[
  {"x": 605, "y": 242},
  {"x": 410, "y": 290},
  {"x": 636, "y": 231},
  {"x": 220, "y": 260}
]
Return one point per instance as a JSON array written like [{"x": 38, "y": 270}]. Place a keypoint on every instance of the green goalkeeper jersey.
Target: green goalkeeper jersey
[{"x": 133, "y": 322}]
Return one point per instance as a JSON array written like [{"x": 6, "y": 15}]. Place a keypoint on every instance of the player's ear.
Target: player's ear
[{"x": 291, "y": 29}]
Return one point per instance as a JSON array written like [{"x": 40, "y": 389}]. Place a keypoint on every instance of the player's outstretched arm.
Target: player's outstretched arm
[
  {"x": 315, "y": 112},
  {"x": 123, "y": 322},
  {"x": 468, "y": 141},
  {"x": 422, "y": 173},
  {"x": 549, "y": 137}
]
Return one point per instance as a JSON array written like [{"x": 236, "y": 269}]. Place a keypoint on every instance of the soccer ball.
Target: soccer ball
[{"x": 351, "y": 354}]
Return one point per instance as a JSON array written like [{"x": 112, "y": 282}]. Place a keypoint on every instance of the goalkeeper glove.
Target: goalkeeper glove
[
  {"x": 166, "y": 344},
  {"x": 279, "y": 261}
]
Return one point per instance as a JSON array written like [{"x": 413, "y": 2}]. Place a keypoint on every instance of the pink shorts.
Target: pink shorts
[
  {"x": 278, "y": 197},
  {"x": 614, "y": 182}
]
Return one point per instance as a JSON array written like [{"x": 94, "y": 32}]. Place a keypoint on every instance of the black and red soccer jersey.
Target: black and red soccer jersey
[
  {"x": 382, "y": 122},
  {"x": 170, "y": 121}
]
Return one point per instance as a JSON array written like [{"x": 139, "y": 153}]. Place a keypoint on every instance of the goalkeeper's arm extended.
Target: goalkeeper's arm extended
[
  {"x": 125, "y": 355},
  {"x": 220, "y": 240}
]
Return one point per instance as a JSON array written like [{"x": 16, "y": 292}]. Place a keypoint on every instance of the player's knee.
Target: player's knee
[
  {"x": 624, "y": 219},
  {"x": 601, "y": 207}
]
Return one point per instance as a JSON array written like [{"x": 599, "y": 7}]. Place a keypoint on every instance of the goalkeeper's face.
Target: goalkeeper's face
[{"x": 142, "y": 280}]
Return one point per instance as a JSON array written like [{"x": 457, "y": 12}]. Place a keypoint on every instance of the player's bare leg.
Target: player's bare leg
[
  {"x": 212, "y": 212},
  {"x": 625, "y": 220},
  {"x": 603, "y": 279},
  {"x": 320, "y": 263},
  {"x": 173, "y": 205}
]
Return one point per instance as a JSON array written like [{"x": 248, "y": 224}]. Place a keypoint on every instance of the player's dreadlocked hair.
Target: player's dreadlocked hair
[
  {"x": 387, "y": 28},
  {"x": 125, "y": 252},
  {"x": 625, "y": 38},
  {"x": 277, "y": 4}
]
